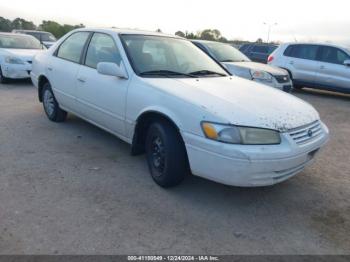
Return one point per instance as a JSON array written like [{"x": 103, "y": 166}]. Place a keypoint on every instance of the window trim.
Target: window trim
[
  {"x": 85, "y": 50},
  {"x": 55, "y": 54}
]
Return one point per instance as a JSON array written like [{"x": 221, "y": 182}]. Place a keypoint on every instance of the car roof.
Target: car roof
[
  {"x": 207, "y": 41},
  {"x": 344, "y": 47},
  {"x": 14, "y": 34},
  {"x": 316, "y": 43},
  {"x": 29, "y": 31},
  {"x": 126, "y": 31}
]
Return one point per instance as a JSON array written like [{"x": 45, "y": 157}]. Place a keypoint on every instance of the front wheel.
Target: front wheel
[
  {"x": 3, "y": 80},
  {"x": 51, "y": 107},
  {"x": 166, "y": 154}
]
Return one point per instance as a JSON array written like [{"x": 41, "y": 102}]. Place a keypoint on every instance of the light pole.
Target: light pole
[{"x": 269, "y": 26}]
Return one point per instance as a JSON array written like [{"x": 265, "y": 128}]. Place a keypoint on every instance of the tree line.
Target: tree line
[{"x": 58, "y": 30}]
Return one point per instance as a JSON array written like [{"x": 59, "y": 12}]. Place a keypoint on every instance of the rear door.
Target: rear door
[
  {"x": 332, "y": 72},
  {"x": 63, "y": 67},
  {"x": 301, "y": 61}
]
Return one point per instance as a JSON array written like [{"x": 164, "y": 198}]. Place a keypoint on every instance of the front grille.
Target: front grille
[
  {"x": 307, "y": 133},
  {"x": 282, "y": 79}
]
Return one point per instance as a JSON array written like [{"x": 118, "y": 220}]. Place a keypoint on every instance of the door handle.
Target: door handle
[
  {"x": 322, "y": 67},
  {"x": 81, "y": 79},
  {"x": 291, "y": 62},
  {"x": 49, "y": 68}
]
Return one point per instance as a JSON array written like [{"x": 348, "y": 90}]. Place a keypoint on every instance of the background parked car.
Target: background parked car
[
  {"x": 16, "y": 55},
  {"x": 240, "y": 65},
  {"x": 46, "y": 38},
  {"x": 321, "y": 66},
  {"x": 258, "y": 52}
]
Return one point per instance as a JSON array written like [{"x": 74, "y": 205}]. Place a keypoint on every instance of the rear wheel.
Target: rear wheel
[
  {"x": 166, "y": 154},
  {"x": 51, "y": 107}
]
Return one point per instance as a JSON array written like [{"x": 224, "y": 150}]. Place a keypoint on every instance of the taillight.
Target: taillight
[{"x": 270, "y": 58}]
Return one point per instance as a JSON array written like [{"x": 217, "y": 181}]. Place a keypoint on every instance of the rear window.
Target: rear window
[
  {"x": 261, "y": 49},
  {"x": 244, "y": 47},
  {"x": 308, "y": 52}
]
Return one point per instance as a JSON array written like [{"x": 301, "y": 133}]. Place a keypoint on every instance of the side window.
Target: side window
[
  {"x": 333, "y": 55},
  {"x": 72, "y": 47},
  {"x": 308, "y": 52},
  {"x": 102, "y": 48},
  {"x": 289, "y": 50}
]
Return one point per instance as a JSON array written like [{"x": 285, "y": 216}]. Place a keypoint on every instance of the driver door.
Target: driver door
[{"x": 101, "y": 98}]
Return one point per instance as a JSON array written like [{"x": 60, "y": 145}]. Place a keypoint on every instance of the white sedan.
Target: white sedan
[
  {"x": 165, "y": 97},
  {"x": 16, "y": 55}
]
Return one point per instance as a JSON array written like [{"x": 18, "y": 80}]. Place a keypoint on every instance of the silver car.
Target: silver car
[
  {"x": 321, "y": 66},
  {"x": 239, "y": 65}
]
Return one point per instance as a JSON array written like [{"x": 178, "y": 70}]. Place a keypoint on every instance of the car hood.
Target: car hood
[
  {"x": 239, "y": 101},
  {"x": 26, "y": 54},
  {"x": 257, "y": 66}
]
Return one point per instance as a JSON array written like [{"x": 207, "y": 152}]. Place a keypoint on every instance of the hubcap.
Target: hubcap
[
  {"x": 49, "y": 102},
  {"x": 158, "y": 154}
]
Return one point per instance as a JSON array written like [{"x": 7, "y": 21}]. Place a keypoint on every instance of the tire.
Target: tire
[
  {"x": 3, "y": 80},
  {"x": 51, "y": 107},
  {"x": 166, "y": 154},
  {"x": 295, "y": 86}
]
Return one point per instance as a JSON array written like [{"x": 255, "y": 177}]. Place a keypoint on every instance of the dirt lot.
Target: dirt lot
[{"x": 73, "y": 189}]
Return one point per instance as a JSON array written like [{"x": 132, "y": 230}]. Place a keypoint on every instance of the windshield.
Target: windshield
[
  {"x": 168, "y": 57},
  {"x": 19, "y": 42},
  {"x": 226, "y": 53}
]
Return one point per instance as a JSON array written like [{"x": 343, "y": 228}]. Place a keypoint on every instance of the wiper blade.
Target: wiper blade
[
  {"x": 206, "y": 72},
  {"x": 165, "y": 73}
]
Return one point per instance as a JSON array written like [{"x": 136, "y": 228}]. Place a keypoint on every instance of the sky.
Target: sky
[{"x": 297, "y": 20}]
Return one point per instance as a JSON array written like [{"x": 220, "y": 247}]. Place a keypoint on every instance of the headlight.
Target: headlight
[
  {"x": 14, "y": 60},
  {"x": 240, "y": 135},
  {"x": 261, "y": 75}
]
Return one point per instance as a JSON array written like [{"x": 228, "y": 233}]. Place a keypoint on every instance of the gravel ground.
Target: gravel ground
[{"x": 72, "y": 188}]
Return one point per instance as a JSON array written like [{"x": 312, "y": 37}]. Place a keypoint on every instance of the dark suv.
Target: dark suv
[{"x": 258, "y": 52}]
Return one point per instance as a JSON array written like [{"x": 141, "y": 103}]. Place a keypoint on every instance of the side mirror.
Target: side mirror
[
  {"x": 347, "y": 62},
  {"x": 112, "y": 69}
]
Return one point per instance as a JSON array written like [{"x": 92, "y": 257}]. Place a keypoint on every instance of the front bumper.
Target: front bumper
[
  {"x": 15, "y": 71},
  {"x": 250, "y": 165}
]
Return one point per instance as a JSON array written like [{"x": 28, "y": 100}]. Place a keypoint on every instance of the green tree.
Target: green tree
[
  {"x": 191, "y": 35},
  {"x": 20, "y": 23},
  {"x": 5, "y": 24},
  {"x": 180, "y": 33},
  {"x": 56, "y": 29},
  {"x": 210, "y": 34}
]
